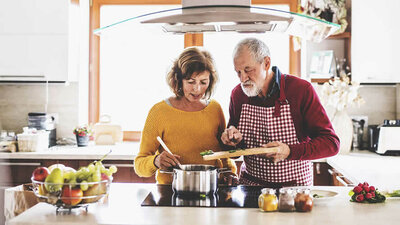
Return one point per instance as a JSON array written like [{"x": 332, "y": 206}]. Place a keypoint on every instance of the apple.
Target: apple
[
  {"x": 71, "y": 196},
  {"x": 40, "y": 173}
]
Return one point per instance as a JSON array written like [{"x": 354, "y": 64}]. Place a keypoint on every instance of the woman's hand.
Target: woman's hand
[
  {"x": 164, "y": 161},
  {"x": 231, "y": 136},
  {"x": 228, "y": 178}
]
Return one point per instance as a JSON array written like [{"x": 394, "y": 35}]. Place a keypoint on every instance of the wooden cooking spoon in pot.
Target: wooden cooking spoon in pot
[{"x": 167, "y": 149}]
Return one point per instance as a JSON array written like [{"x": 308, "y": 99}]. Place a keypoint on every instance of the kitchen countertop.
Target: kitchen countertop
[
  {"x": 123, "y": 207},
  {"x": 121, "y": 151},
  {"x": 359, "y": 166}
]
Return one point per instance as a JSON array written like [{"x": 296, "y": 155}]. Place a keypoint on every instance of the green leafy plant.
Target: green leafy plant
[{"x": 84, "y": 130}]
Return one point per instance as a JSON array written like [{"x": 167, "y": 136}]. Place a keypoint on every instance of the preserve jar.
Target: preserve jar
[
  {"x": 286, "y": 200},
  {"x": 267, "y": 201},
  {"x": 303, "y": 200}
]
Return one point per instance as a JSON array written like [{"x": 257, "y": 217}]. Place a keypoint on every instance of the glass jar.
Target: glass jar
[
  {"x": 286, "y": 200},
  {"x": 267, "y": 201},
  {"x": 303, "y": 200}
]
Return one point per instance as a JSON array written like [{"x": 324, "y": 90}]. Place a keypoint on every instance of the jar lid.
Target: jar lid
[
  {"x": 286, "y": 190},
  {"x": 268, "y": 191},
  {"x": 303, "y": 191}
]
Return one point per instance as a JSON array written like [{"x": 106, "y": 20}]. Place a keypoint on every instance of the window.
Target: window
[{"x": 134, "y": 61}]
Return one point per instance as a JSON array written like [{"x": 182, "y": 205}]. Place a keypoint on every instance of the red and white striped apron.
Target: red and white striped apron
[{"x": 261, "y": 125}]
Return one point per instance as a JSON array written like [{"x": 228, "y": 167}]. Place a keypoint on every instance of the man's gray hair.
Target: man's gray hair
[{"x": 258, "y": 49}]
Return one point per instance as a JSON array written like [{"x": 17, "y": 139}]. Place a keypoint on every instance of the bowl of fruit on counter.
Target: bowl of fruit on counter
[{"x": 67, "y": 188}]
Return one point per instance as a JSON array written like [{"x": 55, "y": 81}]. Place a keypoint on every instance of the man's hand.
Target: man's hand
[
  {"x": 229, "y": 179},
  {"x": 164, "y": 161},
  {"x": 231, "y": 136},
  {"x": 282, "y": 153}
]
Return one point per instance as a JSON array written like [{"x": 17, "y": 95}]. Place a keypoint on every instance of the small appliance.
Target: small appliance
[
  {"x": 389, "y": 138},
  {"x": 43, "y": 121}
]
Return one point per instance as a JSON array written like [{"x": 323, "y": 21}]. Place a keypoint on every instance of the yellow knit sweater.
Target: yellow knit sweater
[{"x": 185, "y": 133}]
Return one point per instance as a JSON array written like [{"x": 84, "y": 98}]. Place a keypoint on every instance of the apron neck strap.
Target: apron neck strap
[{"x": 282, "y": 97}]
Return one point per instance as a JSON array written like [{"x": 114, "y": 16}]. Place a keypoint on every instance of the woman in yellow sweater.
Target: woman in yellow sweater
[{"x": 188, "y": 122}]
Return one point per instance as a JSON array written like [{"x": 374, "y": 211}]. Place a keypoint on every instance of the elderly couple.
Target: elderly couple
[{"x": 267, "y": 109}]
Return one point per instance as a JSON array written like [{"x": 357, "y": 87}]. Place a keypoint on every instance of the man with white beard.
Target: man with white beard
[{"x": 271, "y": 109}]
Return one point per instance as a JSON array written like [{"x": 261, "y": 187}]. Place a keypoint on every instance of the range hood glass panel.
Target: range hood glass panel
[{"x": 247, "y": 19}]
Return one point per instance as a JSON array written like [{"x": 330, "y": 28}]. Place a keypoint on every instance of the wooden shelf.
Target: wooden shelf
[
  {"x": 340, "y": 36},
  {"x": 319, "y": 80}
]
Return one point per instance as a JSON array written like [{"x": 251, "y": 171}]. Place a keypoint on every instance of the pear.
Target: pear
[{"x": 54, "y": 181}]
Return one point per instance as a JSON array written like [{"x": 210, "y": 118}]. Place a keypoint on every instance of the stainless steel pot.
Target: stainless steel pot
[
  {"x": 192, "y": 178},
  {"x": 209, "y": 200}
]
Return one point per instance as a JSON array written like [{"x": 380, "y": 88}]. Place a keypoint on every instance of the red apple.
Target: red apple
[
  {"x": 71, "y": 196},
  {"x": 40, "y": 173}
]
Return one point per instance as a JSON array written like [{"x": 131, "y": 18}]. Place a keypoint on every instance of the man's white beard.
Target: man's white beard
[{"x": 250, "y": 91}]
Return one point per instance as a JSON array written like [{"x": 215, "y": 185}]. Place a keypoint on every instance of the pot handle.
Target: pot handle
[
  {"x": 164, "y": 171},
  {"x": 223, "y": 170}
]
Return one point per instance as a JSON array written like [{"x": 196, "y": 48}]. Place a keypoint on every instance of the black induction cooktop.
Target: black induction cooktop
[{"x": 226, "y": 196}]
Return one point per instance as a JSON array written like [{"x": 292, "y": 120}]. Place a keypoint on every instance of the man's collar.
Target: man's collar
[{"x": 275, "y": 86}]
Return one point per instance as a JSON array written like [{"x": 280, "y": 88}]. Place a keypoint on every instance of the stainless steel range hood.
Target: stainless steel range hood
[{"x": 197, "y": 16}]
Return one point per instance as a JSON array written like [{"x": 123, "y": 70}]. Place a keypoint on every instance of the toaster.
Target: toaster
[{"x": 389, "y": 138}]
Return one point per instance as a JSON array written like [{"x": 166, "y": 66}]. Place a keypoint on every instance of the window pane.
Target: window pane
[
  {"x": 134, "y": 61},
  {"x": 221, "y": 47}
]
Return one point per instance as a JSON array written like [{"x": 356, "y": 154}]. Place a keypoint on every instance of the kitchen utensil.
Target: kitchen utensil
[
  {"x": 323, "y": 196},
  {"x": 44, "y": 121},
  {"x": 388, "y": 142},
  {"x": 239, "y": 152},
  {"x": 167, "y": 149},
  {"x": 94, "y": 194},
  {"x": 107, "y": 133},
  {"x": 373, "y": 134},
  {"x": 193, "y": 178}
]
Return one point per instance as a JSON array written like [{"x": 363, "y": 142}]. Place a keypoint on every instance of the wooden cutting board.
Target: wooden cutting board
[{"x": 239, "y": 152}]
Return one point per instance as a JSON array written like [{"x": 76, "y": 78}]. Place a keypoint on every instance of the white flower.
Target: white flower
[{"x": 340, "y": 93}]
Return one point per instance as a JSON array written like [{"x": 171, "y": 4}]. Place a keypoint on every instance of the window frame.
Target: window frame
[{"x": 189, "y": 40}]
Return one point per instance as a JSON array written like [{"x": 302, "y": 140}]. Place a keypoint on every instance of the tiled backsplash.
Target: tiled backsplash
[
  {"x": 16, "y": 101},
  {"x": 381, "y": 102}
]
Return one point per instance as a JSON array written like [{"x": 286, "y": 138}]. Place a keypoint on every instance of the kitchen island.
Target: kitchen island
[{"x": 123, "y": 207}]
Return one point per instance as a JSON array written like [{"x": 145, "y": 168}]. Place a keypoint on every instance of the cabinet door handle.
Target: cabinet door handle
[
  {"x": 339, "y": 178},
  {"x": 119, "y": 165},
  {"x": 330, "y": 172},
  {"x": 318, "y": 168},
  {"x": 18, "y": 164}
]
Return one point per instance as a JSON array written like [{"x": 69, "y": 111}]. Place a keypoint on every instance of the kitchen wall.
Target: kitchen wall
[
  {"x": 16, "y": 101},
  {"x": 381, "y": 102}
]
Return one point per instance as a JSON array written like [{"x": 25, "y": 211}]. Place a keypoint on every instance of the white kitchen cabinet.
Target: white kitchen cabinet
[
  {"x": 375, "y": 41},
  {"x": 34, "y": 40}
]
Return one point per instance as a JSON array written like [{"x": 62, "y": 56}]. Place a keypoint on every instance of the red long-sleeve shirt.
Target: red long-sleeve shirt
[{"x": 317, "y": 139}]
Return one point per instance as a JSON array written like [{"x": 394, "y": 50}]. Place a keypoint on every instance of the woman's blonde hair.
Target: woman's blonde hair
[{"x": 192, "y": 60}]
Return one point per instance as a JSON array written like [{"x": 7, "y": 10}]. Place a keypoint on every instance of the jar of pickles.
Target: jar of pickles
[
  {"x": 303, "y": 200},
  {"x": 286, "y": 200},
  {"x": 267, "y": 201}
]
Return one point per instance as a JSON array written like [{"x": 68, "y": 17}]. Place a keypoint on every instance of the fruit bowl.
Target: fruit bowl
[{"x": 71, "y": 195}]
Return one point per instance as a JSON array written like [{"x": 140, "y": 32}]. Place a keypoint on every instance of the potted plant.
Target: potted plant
[{"x": 82, "y": 134}]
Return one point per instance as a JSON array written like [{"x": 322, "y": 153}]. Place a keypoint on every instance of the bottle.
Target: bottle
[
  {"x": 286, "y": 200},
  {"x": 267, "y": 201},
  {"x": 303, "y": 200}
]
